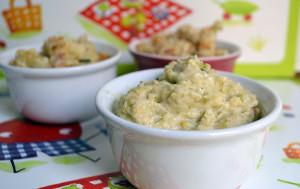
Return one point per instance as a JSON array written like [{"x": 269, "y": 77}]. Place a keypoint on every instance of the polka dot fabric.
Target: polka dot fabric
[{"x": 150, "y": 18}]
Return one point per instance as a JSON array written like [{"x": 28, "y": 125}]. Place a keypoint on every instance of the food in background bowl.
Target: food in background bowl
[
  {"x": 60, "y": 51},
  {"x": 159, "y": 158},
  {"x": 189, "y": 96},
  {"x": 186, "y": 41},
  {"x": 162, "y": 49},
  {"x": 58, "y": 95}
]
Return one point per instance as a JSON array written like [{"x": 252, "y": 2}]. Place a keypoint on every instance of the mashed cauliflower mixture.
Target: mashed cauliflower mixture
[
  {"x": 59, "y": 51},
  {"x": 189, "y": 95}
]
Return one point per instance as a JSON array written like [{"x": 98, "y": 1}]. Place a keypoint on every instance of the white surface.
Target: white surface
[
  {"x": 271, "y": 167},
  {"x": 207, "y": 11},
  {"x": 58, "y": 95},
  {"x": 156, "y": 158},
  {"x": 53, "y": 172}
]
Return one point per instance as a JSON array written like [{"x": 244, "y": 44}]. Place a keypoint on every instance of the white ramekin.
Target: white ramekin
[
  {"x": 154, "y": 158},
  {"x": 58, "y": 95}
]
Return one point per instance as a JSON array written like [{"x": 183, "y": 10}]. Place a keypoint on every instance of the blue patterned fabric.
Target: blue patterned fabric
[{"x": 55, "y": 148}]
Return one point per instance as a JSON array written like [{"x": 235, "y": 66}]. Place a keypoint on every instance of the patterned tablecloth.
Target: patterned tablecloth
[{"x": 79, "y": 156}]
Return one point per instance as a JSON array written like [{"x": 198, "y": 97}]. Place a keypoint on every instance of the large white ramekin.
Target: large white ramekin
[
  {"x": 154, "y": 158},
  {"x": 58, "y": 95}
]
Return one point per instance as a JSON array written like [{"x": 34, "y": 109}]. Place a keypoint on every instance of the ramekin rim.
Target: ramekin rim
[{"x": 183, "y": 134}]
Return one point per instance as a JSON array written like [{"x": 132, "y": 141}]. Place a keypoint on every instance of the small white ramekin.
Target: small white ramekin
[
  {"x": 153, "y": 158},
  {"x": 58, "y": 95}
]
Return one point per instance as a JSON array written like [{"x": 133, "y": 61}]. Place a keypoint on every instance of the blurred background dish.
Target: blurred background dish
[
  {"x": 58, "y": 95},
  {"x": 224, "y": 62}
]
